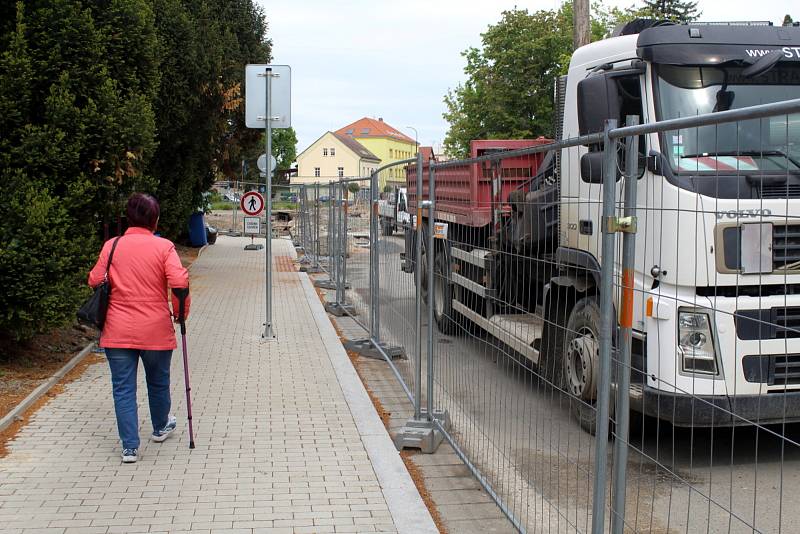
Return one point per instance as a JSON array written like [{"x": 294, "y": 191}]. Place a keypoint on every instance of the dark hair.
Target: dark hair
[{"x": 142, "y": 211}]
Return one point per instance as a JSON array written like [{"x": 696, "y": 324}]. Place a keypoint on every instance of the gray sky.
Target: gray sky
[{"x": 396, "y": 60}]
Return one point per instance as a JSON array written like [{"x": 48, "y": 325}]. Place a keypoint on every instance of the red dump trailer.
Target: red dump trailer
[
  {"x": 466, "y": 194},
  {"x": 494, "y": 256}
]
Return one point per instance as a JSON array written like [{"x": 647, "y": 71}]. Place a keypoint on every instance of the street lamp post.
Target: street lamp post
[{"x": 416, "y": 136}]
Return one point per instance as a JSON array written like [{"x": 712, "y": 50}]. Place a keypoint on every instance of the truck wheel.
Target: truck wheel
[
  {"x": 551, "y": 353},
  {"x": 582, "y": 360},
  {"x": 443, "y": 295}
]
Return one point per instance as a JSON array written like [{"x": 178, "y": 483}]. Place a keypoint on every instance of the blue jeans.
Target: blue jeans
[{"x": 124, "y": 364}]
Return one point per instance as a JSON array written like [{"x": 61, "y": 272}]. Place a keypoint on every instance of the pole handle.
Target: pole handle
[{"x": 182, "y": 293}]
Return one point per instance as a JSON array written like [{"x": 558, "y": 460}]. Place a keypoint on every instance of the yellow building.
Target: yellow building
[
  {"x": 383, "y": 140},
  {"x": 334, "y": 156}
]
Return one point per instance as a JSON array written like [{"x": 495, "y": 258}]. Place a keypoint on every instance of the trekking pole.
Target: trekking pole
[{"x": 182, "y": 293}]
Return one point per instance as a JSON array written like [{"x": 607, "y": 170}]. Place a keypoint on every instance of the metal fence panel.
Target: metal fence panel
[{"x": 613, "y": 333}]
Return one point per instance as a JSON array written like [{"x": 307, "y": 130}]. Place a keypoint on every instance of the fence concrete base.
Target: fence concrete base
[
  {"x": 325, "y": 284},
  {"x": 366, "y": 348},
  {"x": 339, "y": 309},
  {"x": 421, "y": 433}
]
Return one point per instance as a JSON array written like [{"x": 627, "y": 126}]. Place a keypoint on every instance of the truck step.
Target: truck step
[
  {"x": 518, "y": 331},
  {"x": 475, "y": 257}
]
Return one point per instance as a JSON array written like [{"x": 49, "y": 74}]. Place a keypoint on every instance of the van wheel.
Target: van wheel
[
  {"x": 581, "y": 361},
  {"x": 443, "y": 295}
]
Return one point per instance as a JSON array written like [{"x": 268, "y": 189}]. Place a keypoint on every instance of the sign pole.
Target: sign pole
[
  {"x": 268, "y": 333},
  {"x": 268, "y": 107}
]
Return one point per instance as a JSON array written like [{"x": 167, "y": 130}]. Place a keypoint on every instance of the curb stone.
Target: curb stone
[
  {"x": 408, "y": 511},
  {"x": 43, "y": 388}
]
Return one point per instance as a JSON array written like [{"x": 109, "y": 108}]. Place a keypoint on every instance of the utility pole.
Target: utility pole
[{"x": 580, "y": 23}]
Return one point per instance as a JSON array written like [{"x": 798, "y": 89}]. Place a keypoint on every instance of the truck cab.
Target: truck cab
[
  {"x": 716, "y": 275},
  {"x": 717, "y": 268},
  {"x": 393, "y": 210}
]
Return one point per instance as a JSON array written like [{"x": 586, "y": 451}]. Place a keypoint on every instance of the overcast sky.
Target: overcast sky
[{"x": 397, "y": 59}]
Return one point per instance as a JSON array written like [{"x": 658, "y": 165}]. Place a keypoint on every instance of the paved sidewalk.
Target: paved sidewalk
[{"x": 287, "y": 439}]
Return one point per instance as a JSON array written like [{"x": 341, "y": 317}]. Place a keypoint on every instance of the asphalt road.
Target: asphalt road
[{"x": 521, "y": 434}]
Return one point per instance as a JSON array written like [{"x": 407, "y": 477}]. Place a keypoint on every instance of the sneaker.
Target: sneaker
[
  {"x": 130, "y": 456},
  {"x": 164, "y": 433}
]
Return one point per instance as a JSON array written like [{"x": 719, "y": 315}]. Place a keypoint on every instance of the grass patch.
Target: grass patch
[{"x": 222, "y": 205}]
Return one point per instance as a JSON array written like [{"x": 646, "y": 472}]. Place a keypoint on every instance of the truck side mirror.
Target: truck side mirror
[
  {"x": 656, "y": 163},
  {"x": 598, "y": 101},
  {"x": 592, "y": 167}
]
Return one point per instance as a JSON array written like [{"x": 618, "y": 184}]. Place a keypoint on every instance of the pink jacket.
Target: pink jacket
[{"x": 143, "y": 269}]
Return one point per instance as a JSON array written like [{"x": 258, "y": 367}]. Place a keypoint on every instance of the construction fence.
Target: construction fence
[{"x": 605, "y": 328}]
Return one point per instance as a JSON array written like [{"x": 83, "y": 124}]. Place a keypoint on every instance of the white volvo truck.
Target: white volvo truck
[{"x": 716, "y": 315}]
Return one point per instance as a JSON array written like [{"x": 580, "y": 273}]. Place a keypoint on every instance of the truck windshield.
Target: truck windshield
[{"x": 759, "y": 146}]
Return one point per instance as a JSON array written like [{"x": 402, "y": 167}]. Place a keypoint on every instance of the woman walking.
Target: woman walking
[{"x": 139, "y": 322}]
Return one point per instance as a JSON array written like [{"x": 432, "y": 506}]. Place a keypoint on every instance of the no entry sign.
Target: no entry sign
[{"x": 252, "y": 203}]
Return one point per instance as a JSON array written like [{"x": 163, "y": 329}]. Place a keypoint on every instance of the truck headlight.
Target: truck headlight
[{"x": 696, "y": 343}]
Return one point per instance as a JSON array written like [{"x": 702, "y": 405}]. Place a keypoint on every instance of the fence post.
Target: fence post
[
  {"x": 421, "y": 431},
  {"x": 606, "y": 329},
  {"x": 420, "y": 235},
  {"x": 623, "y": 374},
  {"x": 372, "y": 346},
  {"x": 440, "y": 418},
  {"x": 316, "y": 227},
  {"x": 331, "y": 230},
  {"x": 431, "y": 257},
  {"x": 301, "y": 229},
  {"x": 339, "y": 307},
  {"x": 373, "y": 256}
]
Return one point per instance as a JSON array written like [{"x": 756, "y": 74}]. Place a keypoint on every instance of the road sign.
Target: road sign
[
  {"x": 252, "y": 203},
  {"x": 262, "y": 163},
  {"x": 255, "y": 100},
  {"x": 252, "y": 225}
]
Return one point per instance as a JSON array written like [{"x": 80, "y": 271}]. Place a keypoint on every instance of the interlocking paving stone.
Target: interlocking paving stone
[{"x": 278, "y": 449}]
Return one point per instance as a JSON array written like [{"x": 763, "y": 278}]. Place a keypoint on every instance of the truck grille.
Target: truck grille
[
  {"x": 779, "y": 191},
  {"x": 774, "y": 323},
  {"x": 786, "y": 247},
  {"x": 778, "y": 370}
]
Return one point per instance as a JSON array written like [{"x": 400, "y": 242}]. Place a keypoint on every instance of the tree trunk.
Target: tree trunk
[{"x": 581, "y": 34}]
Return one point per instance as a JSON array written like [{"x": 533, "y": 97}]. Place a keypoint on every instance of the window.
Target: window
[
  {"x": 324, "y": 151},
  {"x": 349, "y": 132},
  {"x": 391, "y": 153},
  {"x": 341, "y": 172},
  {"x": 316, "y": 172},
  {"x": 333, "y": 151},
  {"x": 364, "y": 131}
]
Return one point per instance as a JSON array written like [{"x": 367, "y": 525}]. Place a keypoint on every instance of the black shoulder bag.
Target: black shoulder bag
[{"x": 93, "y": 311}]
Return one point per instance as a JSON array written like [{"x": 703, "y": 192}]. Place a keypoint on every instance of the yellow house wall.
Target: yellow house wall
[
  {"x": 328, "y": 165},
  {"x": 389, "y": 150}
]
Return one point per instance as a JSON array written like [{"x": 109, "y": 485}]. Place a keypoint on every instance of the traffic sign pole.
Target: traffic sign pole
[
  {"x": 260, "y": 104},
  {"x": 268, "y": 333}
]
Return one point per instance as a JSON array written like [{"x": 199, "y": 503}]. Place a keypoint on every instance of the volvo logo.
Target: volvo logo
[{"x": 743, "y": 214}]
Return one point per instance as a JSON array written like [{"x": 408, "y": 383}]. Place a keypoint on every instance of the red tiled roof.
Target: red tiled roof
[
  {"x": 367, "y": 127},
  {"x": 427, "y": 153}
]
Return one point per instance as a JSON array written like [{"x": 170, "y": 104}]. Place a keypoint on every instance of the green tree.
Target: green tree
[
  {"x": 674, "y": 10},
  {"x": 200, "y": 112},
  {"x": 284, "y": 147},
  {"x": 787, "y": 20},
  {"x": 77, "y": 131},
  {"x": 508, "y": 92}
]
